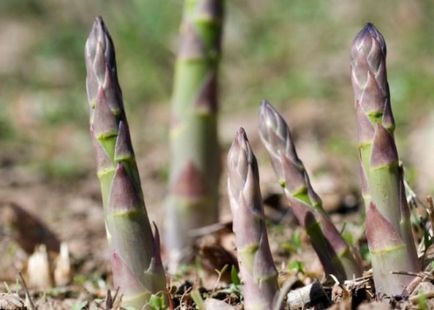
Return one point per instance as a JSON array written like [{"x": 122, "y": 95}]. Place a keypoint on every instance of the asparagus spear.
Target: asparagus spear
[
  {"x": 336, "y": 256},
  {"x": 388, "y": 229},
  {"x": 195, "y": 154},
  {"x": 135, "y": 255},
  {"x": 257, "y": 268}
]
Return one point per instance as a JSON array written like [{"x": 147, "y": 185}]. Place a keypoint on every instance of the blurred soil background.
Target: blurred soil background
[{"x": 294, "y": 53}]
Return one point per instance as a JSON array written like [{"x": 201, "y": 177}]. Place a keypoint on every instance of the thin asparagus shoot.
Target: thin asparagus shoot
[
  {"x": 135, "y": 255},
  {"x": 195, "y": 154},
  {"x": 336, "y": 256},
  {"x": 388, "y": 229},
  {"x": 257, "y": 268}
]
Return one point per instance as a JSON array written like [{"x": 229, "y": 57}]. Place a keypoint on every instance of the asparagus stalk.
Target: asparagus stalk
[
  {"x": 135, "y": 255},
  {"x": 336, "y": 256},
  {"x": 388, "y": 228},
  {"x": 257, "y": 268},
  {"x": 195, "y": 157}
]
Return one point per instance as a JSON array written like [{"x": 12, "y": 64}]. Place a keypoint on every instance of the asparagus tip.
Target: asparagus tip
[
  {"x": 265, "y": 105},
  {"x": 267, "y": 115},
  {"x": 241, "y": 160},
  {"x": 96, "y": 35},
  {"x": 241, "y": 134},
  {"x": 240, "y": 142},
  {"x": 101, "y": 65},
  {"x": 368, "y": 37},
  {"x": 272, "y": 128}
]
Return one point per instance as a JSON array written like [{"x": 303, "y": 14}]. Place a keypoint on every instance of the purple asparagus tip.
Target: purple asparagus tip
[
  {"x": 100, "y": 59},
  {"x": 99, "y": 41},
  {"x": 240, "y": 155},
  {"x": 368, "y": 38}
]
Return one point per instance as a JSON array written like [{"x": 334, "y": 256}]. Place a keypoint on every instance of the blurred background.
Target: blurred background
[{"x": 294, "y": 53}]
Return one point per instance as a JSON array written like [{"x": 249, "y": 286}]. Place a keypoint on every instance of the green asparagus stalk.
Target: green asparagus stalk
[
  {"x": 195, "y": 155},
  {"x": 388, "y": 229},
  {"x": 257, "y": 268},
  {"x": 336, "y": 256},
  {"x": 135, "y": 252}
]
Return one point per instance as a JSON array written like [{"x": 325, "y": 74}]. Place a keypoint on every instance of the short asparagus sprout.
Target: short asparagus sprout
[
  {"x": 257, "y": 268},
  {"x": 388, "y": 228},
  {"x": 336, "y": 256},
  {"x": 135, "y": 250}
]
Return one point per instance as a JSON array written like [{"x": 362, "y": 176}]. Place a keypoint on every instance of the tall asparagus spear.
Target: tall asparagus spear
[
  {"x": 256, "y": 263},
  {"x": 334, "y": 253},
  {"x": 135, "y": 252},
  {"x": 195, "y": 157},
  {"x": 388, "y": 231}
]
